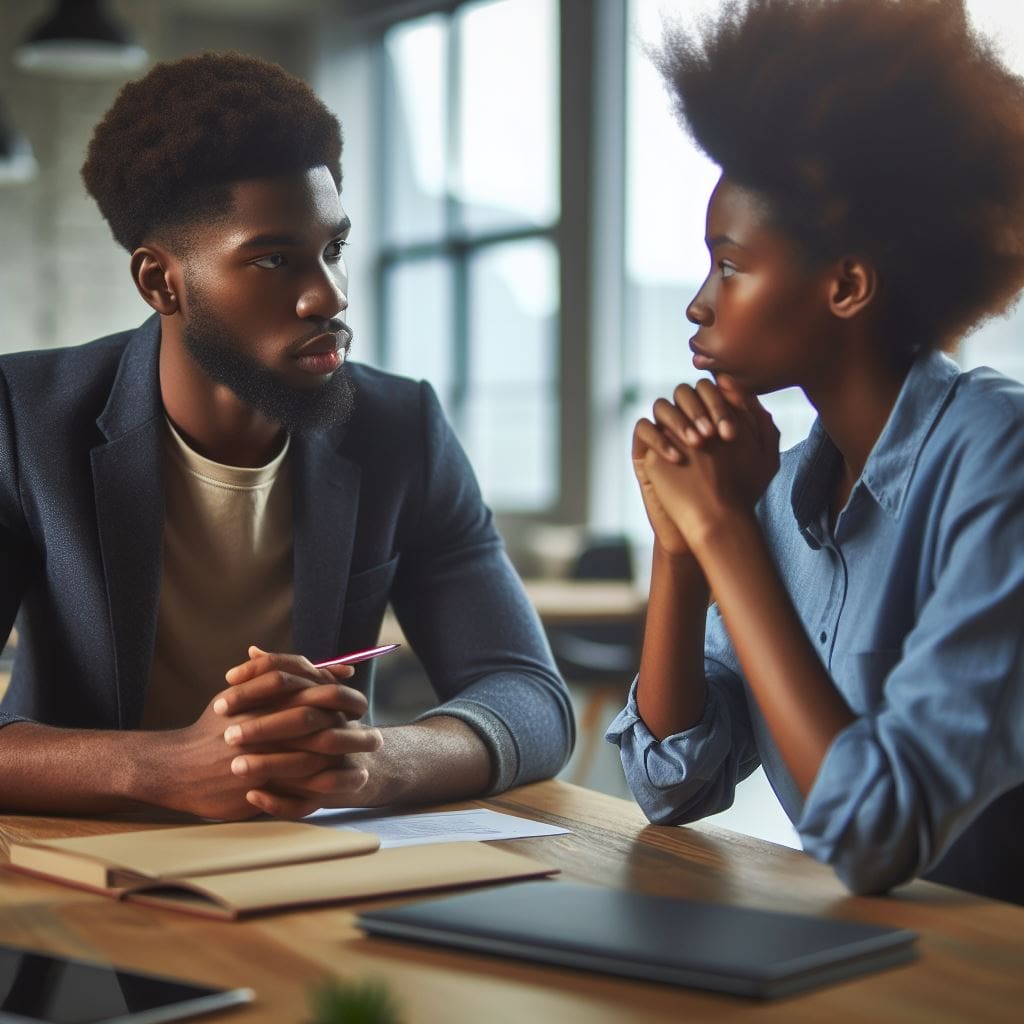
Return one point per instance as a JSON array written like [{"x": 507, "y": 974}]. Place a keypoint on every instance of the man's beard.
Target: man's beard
[{"x": 222, "y": 357}]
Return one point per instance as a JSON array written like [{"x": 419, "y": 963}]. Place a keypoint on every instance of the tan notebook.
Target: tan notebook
[
  {"x": 280, "y": 867},
  {"x": 122, "y": 860}
]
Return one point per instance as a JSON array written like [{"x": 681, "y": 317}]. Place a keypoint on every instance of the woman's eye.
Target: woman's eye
[
  {"x": 271, "y": 262},
  {"x": 333, "y": 251},
  {"x": 727, "y": 269}
]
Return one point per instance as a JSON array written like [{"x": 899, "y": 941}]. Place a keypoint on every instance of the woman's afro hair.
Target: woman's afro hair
[
  {"x": 168, "y": 149},
  {"x": 887, "y": 129}
]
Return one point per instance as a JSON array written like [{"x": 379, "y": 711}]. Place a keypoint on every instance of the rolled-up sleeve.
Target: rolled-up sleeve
[{"x": 690, "y": 774}]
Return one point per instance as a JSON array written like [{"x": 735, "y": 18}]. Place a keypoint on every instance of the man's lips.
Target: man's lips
[{"x": 324, "y": 353}]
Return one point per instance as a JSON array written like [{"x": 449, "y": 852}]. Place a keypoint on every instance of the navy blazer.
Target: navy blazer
[{"x": 386, "y": 508}]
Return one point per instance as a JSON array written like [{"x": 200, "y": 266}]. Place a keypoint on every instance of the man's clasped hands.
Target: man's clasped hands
[
  {"x": 283, "y": 738},
  {"x": 706, "y": 457}
]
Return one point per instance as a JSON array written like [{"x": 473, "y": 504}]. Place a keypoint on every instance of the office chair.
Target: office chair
[{"x": 600, "y": 658}]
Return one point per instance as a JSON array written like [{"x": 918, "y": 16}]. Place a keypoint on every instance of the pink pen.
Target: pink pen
[{"x": 355, "y": 656}]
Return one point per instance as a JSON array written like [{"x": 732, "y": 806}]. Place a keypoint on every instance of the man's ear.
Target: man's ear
[
  {"x": 853, "y": 286},
  {"x": 157, "y": 278}
]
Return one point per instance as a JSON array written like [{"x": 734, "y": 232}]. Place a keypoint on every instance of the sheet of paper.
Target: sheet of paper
[{"x": 439, "y": 827}]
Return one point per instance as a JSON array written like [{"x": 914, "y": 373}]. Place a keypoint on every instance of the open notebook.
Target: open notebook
[{"x": 680, "y": 942}]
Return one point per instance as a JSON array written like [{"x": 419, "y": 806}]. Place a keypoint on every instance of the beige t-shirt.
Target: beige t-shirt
[{"x": 227, "y": 577}]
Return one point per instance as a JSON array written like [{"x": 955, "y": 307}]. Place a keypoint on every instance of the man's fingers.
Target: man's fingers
[
  {"x": 261, "y": 662},
  {"x": 333, "y": 697},
  {"x": 289, "y": 724},
  {"x": 281, "y": 688},
  {"x": 335, "y": 788},
  {"x": 289, "y": 807},
  {"x": 335, "y": 742},
  {"x": 288, "y": 765}
]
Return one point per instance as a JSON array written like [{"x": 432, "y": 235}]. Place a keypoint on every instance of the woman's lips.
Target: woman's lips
[{"x": 701, "y": 360}]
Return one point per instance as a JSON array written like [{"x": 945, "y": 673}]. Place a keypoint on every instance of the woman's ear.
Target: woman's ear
[
  {"x": 853, "y": 286},
  {"x": 154, "y": 271}
]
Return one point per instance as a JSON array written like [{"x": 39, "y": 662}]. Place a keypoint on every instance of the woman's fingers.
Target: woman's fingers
[{"x": 717, "y": 415}]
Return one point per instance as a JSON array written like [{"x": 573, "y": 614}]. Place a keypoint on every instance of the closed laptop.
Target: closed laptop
[{"x": 738, "y": 950}]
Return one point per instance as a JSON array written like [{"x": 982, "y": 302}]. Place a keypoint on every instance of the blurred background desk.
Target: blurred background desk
[{"x": 562, "y": 602}]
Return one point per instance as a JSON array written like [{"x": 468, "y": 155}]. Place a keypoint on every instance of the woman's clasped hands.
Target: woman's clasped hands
[{"x": 706, "y": 456}]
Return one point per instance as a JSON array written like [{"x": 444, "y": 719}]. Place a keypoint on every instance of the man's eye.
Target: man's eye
[
  {"x": 271, "y": 262},
  {"x": 333, "y": 251}
]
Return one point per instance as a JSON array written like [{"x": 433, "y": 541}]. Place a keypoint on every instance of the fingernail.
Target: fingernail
[
  {"x": 705, "y": 426},
  {"x": 692, "y": 437},
  {"x": 726, "y": 429},
  {"x": 239, "y": 766},
  {"x": 233, "y": 734},
  {"x": 220, "y": 705}
]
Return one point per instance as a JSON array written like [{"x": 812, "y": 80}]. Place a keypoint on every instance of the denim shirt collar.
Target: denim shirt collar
[{"x": 890, "y": 466}]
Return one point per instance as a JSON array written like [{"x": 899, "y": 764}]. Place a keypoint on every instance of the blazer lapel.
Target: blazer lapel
[
  {"x": 325, "y": 500},
  {"x": 128, "y": 485}
]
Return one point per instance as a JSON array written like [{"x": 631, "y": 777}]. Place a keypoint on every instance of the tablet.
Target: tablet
[{"x": 39, "y": 988}]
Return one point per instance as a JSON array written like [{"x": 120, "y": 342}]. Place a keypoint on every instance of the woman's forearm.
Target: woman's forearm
[{"x": 671, "y": 689}]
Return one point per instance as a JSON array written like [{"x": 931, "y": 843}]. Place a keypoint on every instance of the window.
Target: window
[{"x": 469, "y": 270}]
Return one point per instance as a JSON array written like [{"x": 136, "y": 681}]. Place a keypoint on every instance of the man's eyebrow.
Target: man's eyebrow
[{"x": 270, "y": 239}]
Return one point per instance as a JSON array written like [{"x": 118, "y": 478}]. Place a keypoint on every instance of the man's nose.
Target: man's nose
[{"x": 323, "y": 297}]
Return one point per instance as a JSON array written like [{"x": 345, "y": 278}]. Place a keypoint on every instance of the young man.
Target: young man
[
  {"x": 865, "y": 640},
  {"x": 221, "y": 478}
]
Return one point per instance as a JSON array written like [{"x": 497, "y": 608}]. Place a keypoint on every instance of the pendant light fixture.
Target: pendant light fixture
[
  {"x": 17, "y": 164},
  {"x": 80, "y": 40}
]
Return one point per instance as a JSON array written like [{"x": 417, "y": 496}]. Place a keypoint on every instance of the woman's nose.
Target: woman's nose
[{"x": 699, "y": 310}]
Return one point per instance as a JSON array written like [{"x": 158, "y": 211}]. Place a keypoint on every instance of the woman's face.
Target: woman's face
[{"x": 762, "y": 314}]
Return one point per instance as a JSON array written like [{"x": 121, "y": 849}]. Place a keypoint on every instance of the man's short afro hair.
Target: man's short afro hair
[
  {"x": 887, "y": 129},
  {"x": 169, "y": 148}
]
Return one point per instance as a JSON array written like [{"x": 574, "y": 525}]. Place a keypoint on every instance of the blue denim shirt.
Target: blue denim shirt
[{"x": 915, "y": 604}]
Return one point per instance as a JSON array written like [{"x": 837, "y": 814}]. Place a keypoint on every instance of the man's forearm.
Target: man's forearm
[
  {"x": 432, "y": 761},
  {"x": 44, "y": 770}
]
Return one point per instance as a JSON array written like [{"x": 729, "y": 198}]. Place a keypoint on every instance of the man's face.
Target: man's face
[
  {"x": 762, "y": 313},
  {"x": 264, "y": 292}
]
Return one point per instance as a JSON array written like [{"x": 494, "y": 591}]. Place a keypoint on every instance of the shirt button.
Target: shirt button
[{"x": 823, "y": 637}]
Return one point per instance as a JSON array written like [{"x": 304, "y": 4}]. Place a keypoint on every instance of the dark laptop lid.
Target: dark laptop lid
[{"x": 680, "y": 942}]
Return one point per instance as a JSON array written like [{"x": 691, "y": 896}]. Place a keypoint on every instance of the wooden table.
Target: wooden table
[{"x": 970, "y": 965}]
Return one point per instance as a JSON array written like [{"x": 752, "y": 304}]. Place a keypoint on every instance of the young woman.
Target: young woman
[{"x": 866, "y": 637}]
